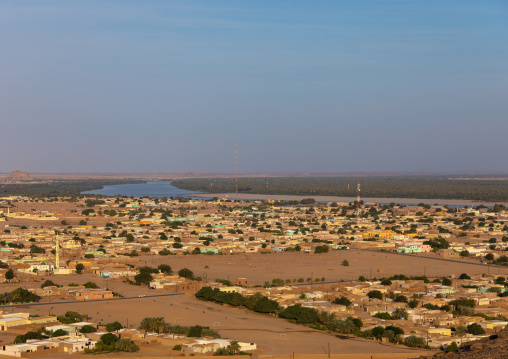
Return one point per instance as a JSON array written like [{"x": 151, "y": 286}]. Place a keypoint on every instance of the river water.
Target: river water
[
  {"x": 147, "y": 189},
  {"x": 165, "y": 189}
]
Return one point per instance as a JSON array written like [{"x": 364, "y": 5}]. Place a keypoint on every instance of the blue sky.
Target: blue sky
[{"x": 303, "y": 86}]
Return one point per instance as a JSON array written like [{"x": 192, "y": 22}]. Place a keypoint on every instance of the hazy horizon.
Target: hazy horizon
[
  {"x": 272, "y": 174},
  {"x": 304, "y": 87}
]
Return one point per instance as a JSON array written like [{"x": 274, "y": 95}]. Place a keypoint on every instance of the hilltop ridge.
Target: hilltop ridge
[{"x": 19, "y": 176}]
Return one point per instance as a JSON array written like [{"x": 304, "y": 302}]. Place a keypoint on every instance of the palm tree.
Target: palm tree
[
  {"x": 234, "y": 347},
  {"x": 460, "y": 331},
  {"x": 155, "y": 324},
  {"x": 400, "y": 313}
]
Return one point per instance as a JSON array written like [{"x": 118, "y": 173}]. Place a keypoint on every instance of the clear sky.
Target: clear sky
[{"x": 303, "y": 86}]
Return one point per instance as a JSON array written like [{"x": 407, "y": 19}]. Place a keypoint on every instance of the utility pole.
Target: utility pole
[{"x": 57, "y": 253}]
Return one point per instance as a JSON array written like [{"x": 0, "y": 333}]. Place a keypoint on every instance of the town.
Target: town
[{"x": 427, "y": 277}]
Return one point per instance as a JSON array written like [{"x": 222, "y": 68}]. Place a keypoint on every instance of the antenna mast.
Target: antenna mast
[
  {"x": 358, "y": 199},
  {"x": 236, "y": 169}
]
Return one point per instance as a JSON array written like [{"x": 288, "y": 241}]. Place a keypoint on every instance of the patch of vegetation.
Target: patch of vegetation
[
  {"x": 257, "y": 302},
  {"x": 56, "y": 188},
  {"x": 19, "y": 295},
  {"x": 110, "y": 343},
  {"x": 372, "y": 186}
]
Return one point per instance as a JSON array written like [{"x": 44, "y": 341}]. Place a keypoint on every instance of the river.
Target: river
[
  {"x": 147, "y": 189},
  {"x": 165, "y": 189}
]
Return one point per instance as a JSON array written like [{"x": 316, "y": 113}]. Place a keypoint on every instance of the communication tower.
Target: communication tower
[
  {"x": 358, "y": 199},
  {"x": 236, "y": 170}
]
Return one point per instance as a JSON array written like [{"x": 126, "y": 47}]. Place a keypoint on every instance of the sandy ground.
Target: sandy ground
[
  {"x": 258, "y": 268},
  {"x": 253, "y": 196},
  {"x": 273, "y": 335}
]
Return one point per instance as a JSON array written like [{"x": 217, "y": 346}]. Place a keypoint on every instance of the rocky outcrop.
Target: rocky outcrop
[
  {"x": 495, "y": 347},
  {"x": 19, "y": 176}
]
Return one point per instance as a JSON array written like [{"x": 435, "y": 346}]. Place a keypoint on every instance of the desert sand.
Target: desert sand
[{"x": 258, "y": 268}]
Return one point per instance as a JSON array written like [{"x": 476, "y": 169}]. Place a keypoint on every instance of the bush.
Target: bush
[
  {"x": 113, "y": 327},
  {"x": 383, "y": 315},
  {"x": 59, "y": 333},
  {"x": 164, "y": 268},
  {"x": 396, "y": 330},
  {"x": 195, "y": 331},
  {"x": 377, "y": 332},
  {"x": 415, "y": 342},
  {"x": 463, "y": 302},
  {"x": 126, "y": 345},
  {"x": 475, "y": 329},
  {"x": 30, "y": 335},
  {"x": 143, "y": 278},
  {"x": 70, "y": 317},
  {"x": 265, "y": 305},
  {"x": 109, "y": 339},
  {"x": 342, "y": 301},
  {"x": 48, "y": 283},
  {"x": 400, "y": 299},
  {"x": 345, "y": 263},
  {"x": 9, "y": 274},
  {"x": 90, "y": 285},
  {"x": 186, "y": 273},
  {"x": 322, "y": 249},
  {"x": 447, "y": 282},
  {"x": 79, "y": 268},
  {"x": 386, "y": 282},
  {"x": 413, "y": 303},
  {"x": 375, "y": 294},
  {"x": 452, "y": 348},
  {"x": 85, "y": 329},
  {"x": 301, "y": 314},
  {"x": 257, "y": 302}
]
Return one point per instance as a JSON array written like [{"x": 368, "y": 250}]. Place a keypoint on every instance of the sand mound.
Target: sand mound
[{"x": 19, "y": 176}]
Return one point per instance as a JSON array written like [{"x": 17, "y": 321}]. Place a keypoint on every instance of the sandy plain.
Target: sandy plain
[
  {"x": 272, "y": 335},
  {"x": 258, "y": 268}
]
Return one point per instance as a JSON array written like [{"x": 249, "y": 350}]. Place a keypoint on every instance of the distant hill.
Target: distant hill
[{"x": 19, "y": 176}]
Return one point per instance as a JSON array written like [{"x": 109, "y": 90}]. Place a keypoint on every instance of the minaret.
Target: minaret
[{"x": 57, "y": 253}]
